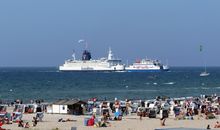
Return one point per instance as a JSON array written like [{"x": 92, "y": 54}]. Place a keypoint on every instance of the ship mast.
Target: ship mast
[
  {"x": 110, "y": 55},
  {"x": 74, "y": 55}
]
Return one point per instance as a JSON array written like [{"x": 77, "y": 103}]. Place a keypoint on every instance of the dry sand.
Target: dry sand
[{"x": 50, "y": 122}]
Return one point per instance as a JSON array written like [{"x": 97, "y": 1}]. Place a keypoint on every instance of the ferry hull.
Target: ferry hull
[
  {"x": 159, "y": 70},
  {"x": 118, "y": 68},
  {"x": 91, "y": 70}
]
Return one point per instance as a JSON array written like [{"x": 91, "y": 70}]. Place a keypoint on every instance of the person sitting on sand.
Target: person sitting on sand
[
  {"x": 67, "y": 120},
  {"x": 210, "y": 116},
  {"x": 105, "y": 117},
  {"x": 70, "y": 120},
  {"x": 117, "y": 114},
  {"x": 1, "y": 126},
  {"x": 181, "y": 115},
  {"x": 102, "y": 124},
  {"x": 217, "y": 125}
]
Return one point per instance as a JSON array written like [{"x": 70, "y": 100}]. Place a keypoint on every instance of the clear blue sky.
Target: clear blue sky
[{"x": 44, "y": 32}]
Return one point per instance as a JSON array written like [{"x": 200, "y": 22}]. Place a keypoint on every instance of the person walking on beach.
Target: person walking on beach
[
  {"x": 141, "y": 113},
  {"x": 34, "y": 121},
  {"x": 163, "y": 117}
]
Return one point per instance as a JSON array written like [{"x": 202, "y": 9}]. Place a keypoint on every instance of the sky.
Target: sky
[{"x": 45, "y": 32}]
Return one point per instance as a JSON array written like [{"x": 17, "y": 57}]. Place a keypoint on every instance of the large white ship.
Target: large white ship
[
  {"x": 87, "y": 64},
  {"x": 147, "y": 65}
]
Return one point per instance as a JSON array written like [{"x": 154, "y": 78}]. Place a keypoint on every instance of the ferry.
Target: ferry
[
  {"x": 87, "y": 64},
  {"x": 147, "y": 65}
]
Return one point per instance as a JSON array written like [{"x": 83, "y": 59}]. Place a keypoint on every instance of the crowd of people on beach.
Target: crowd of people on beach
[
  {"x": 206, "y": 107},
  {"x": 103, "y": 112}
]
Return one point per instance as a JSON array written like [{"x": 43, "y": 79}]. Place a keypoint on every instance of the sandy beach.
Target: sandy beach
[{"x": 132, "y": 122}]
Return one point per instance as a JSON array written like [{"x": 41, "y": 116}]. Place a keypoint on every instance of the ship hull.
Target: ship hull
[
  {"x": 119, "y": 68},
  {"x": 91, "y": 70},
  {"x": 149, "y": 70}
]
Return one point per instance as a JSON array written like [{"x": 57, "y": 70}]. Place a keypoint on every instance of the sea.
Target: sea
[{"x": 48, "y": 84}]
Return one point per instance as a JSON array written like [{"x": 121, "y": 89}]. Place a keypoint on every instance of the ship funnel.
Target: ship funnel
[
  {"x": 110, "y": 55},
  {"x": 86, "y": 55}
]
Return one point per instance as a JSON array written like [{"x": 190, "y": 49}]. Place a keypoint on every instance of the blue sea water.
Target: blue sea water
[{"x": 50, "y": 84}]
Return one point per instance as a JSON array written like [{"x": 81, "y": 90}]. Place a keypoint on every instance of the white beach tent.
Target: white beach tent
[
  {"x": 58, "y": 107},
  {"x": 67, "y": 106}
]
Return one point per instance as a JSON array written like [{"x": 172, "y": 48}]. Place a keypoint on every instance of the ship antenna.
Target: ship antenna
[
  {"x": 86, "y": 45},
  {"x": 167, "y": 62},
  {"x": 110, "y": 55},
  {"x": 74, "y": 55}
]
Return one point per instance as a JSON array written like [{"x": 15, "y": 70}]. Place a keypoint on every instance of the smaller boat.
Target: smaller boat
[
  {"x": 147, "y": 65},
  {"x": 203, "y": 74}
]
